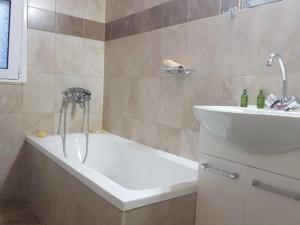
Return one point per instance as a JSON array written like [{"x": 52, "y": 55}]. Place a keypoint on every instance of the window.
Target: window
[
  {"x": 13, "y": 40},
  {"x": 4, "y": 33}
]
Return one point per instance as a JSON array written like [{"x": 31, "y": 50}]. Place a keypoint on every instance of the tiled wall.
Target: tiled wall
[
  {"x": 65, "y": 49},
  {"x": 155, "y": 108}
]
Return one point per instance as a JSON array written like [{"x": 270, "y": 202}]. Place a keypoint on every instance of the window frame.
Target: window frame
[{"x": 17, "y": 60}]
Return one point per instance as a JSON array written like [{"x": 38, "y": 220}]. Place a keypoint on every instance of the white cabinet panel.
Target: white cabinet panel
[
  {"x": 220, "y": 196},
  {"x": 270, "y": 201}
]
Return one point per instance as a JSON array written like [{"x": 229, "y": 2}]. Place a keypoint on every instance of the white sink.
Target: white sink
[{"x": 259, "y": 130}]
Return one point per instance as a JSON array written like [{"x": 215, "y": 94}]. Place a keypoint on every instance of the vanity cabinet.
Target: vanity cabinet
[
  {"x": 259, "y": 151},
  {"x": 271, "y": 199},
  {"x": 220, "y": 192},
  {"x": 233, "y": 194}
]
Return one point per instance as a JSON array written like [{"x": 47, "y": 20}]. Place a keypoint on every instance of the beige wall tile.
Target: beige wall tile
[
  {"x": 43, "y": 4},
  {"x": 272, "y": 38},
  {"x": 96, "y": 121},
  {"x": 114, "y": 66},
  {"x": 174, "y": 43},
  {"x": 95, "y": 10},
  {"x": 71, "y": 7},
  {"x": 11, "y": 99},
  {"x": 204, "y": 90},
  {"x": 168, "y": 139},
  {"x": 115, "y": 10},
  {"x": 202, "y": 46},
  {"x": 151, "y": 3},
  {"x": 171, "y": 101},
  {"x": 114, "y": 95},
  {"x": 148, "y": 99},
  {"x": 41, "y": 51},
  {"x": 147, "y": 56},
  {"x": 113, "y": 124},
  {"x": 36, "y": 122},
  {"x": 175, "y": 211},
  {"x": 137, "y": 56},
  {"x": 130, "y": 98},
  {"x": 38, "y": 94},
  {"x": 11, "y": 141},
  {"x": 69, "y": 54},
  {"x": 94, "y": 84},
  {"x": 93, "y": 54},
  {"x": 140, "y": 131},
  {"x": 241, "y": 40},
  {"x": 189, "y": 144}
]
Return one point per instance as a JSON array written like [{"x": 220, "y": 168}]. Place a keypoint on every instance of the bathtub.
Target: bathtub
[{"x": 126, "y": 174}]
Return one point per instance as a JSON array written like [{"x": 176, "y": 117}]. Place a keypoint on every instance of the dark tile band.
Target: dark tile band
[
  {"x": 168, "y": 14},
  {"x": 39, "y": 19}
]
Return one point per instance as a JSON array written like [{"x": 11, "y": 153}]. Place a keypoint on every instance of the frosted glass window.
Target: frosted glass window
[{"x": 4, "y": 33}]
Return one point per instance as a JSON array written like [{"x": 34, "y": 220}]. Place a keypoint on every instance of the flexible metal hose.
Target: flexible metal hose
[
  {"x": 87, "y": 132},
  {"x": 64, "y": 109}
]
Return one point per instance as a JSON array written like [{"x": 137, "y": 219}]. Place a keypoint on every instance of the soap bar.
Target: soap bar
[
  {"x": 171, "y": 64},
  {"x": 98, "y": 131},
  {"x": 41, "y": 134}
]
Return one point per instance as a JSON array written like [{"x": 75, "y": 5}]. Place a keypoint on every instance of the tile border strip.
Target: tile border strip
[
  {"x": 168, "y": 14},
  {"x": 44, "y": 20}
]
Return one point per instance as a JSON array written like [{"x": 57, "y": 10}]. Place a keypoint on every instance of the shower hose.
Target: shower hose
[{"x": 64, "y": 111}]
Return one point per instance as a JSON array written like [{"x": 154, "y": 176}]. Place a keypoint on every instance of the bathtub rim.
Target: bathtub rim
[{"x": 120, "y": 197}]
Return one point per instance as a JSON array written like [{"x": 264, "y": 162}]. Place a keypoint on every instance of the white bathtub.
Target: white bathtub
[{"x": 127, "y": 174}]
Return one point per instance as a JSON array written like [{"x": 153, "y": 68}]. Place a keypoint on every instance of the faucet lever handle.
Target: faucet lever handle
[{"x": 271, "y": 101}]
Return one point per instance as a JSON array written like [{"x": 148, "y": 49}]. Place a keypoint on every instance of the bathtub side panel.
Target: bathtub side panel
[
  {"x": 58, "y": 198},
  {"x": 176, "y": 211}
]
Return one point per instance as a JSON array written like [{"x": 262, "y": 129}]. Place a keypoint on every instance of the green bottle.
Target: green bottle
[
  {"x": 244, "y": 99},
  {"x": 261, "y": 100}
]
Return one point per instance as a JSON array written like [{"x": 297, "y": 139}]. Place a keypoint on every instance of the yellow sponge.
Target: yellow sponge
[
  {"x": 98, "y": 131},
  {"x": 41, "y": 134}
]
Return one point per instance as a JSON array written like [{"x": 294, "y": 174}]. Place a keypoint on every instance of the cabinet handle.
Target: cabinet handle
[
  {"x": 233, "y": 176},
  {"x": 284, "y": 193}
]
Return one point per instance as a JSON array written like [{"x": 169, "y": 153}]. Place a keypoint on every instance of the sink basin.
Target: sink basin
[{"x": 251, "y": 129}]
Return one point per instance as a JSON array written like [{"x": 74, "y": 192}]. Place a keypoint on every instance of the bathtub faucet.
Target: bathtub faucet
[
  {"x": 77, "y": 95},
  {"x": 82, "y": 97}
]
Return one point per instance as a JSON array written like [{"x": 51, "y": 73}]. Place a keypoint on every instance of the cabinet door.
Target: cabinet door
[
  {"x": 271, "y": 199},
  {"x": 220, "y": 192}
]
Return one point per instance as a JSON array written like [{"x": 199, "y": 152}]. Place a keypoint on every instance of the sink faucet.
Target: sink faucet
[
  {"x": 285, "y": 103},
  {"x": 283, "y": 73}
]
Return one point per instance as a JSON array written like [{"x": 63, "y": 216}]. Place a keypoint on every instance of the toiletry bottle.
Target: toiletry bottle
[
  {"x": 244, "y": 99},
  {"x": 261, "y": 100}
]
